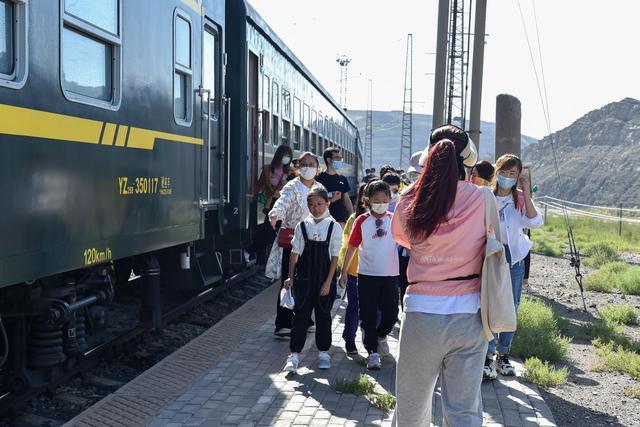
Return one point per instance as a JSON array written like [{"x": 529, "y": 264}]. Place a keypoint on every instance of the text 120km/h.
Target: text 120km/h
[{"x": 95, "y": 256}]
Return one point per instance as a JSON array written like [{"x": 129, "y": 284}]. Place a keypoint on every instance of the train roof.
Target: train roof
[{"x": 268, "y": 32}]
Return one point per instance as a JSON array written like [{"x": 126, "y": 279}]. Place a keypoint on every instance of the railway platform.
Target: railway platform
[{"x": 232, "y": 375}]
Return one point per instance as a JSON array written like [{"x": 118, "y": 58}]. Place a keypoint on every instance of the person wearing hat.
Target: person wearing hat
[
  {"x": 414, "y": 166},
  {"x": 482, "y": 173},
  {"x": 441, "y": 219}
]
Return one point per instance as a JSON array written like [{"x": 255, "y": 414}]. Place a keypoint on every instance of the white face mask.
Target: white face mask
[
  {"x": 379, "y": 208},
  {"x": 286, "y": 160},
  {"x": 308, "y": 172},
  {"x": 322, "y": 216}
]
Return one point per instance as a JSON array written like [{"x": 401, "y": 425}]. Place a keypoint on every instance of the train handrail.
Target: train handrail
[{"x": 227, "y": 151}]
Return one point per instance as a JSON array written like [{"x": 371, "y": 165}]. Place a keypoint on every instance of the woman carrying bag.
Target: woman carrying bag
[{"x": 291, "y": 208}]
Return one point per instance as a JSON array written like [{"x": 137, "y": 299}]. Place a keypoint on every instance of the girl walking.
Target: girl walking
[
  {"x": 312, "y": 266},
  {"x": 377, "y": 270}
]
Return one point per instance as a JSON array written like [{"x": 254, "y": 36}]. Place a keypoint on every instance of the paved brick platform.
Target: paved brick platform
[{"x": 244, "y": 384}]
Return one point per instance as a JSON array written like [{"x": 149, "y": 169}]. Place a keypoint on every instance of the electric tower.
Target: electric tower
[
  {"x": 368, "y": 134},
  {"x": 457, "y": 64},
  {"x": 344, "y": 62},
  {"x": 407, "y": 107}
]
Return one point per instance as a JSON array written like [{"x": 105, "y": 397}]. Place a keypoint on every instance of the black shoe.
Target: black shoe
[
  {"x": 282, "y": 332},
  {"x": 351, "y": 348}
]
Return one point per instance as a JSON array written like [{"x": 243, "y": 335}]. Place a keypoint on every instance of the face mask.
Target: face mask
[
  {"x": 308, "y": 172},
  {"x": 286, "y": 160},
  {"x": 337, "y": 164},
  {"x": 322, "y": 216},
  {"x": 506, "y": 183},
  {"x": 379, "y": 208}
]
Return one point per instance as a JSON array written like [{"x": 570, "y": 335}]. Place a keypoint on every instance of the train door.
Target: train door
[{"x": 252, "y": 138}]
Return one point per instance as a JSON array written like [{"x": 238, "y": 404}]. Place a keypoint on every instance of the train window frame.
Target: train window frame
[
  {"x": 183, "y": 70},
  {"x": 20, "y": 41},
  {"x": 286, "y": 104},
  {"x": 266, "y": 92},
  {"x": 275, "y": 130},
  {"x": 91, "y": 31},
  {"x": 275, "y": 93},
  {"x": 285, "y": 136}
]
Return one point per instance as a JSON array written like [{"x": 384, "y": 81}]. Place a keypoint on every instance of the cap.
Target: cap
[{"x": 414, "y": 162}]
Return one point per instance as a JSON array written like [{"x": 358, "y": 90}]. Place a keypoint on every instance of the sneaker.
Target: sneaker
[
  {"x": 311, "y": 329},
  {"x": 504, "y": 366},
  {"x": 350, "y": 347},
  {"x": 292, "y": 363},
  {"x": 324, "y": 360},
  {"x": 373, "y": 362},
  {"x": 489, "y": 370},
  {"x": 383, "y": 347},
  {"x": 283, "y": 332}
]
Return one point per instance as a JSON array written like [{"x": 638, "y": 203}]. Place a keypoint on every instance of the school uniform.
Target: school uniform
[
  {"x": 317, "y": 244},
  {"x": 378, "y": 272}
]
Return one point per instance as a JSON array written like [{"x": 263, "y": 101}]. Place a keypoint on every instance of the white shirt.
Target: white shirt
[
  {"x": 377, "y": 255},
  {"x": 512, "y": 224},
  {"x": 318, "y": 232},
  {"x": 442, "y": 304}
]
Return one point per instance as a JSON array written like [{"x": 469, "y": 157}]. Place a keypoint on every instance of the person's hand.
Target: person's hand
[
  {"x": 343, "y": 280},
  {"x": 337, "y": 195},
  {"x": 524, "y": 185},
  {"x": 288, "y": 283},
  {"x": 273, "y": 220},
  {"x": 326, "y": 287}
]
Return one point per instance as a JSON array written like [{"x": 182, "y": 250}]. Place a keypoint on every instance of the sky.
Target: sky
[{"x": 588, "y": 52}]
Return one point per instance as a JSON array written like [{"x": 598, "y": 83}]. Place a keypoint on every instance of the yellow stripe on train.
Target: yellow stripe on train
[{"x": 43, "y": 124}]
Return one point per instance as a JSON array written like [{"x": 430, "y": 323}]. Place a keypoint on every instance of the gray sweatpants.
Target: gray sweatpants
[{"x": 452, "y": 346}]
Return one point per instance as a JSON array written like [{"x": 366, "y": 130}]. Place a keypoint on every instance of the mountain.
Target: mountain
[
  {"x": 387, "y": 126},
  {"x": 598, "y": 157}
]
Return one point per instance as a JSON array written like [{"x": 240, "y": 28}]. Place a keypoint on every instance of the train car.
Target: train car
[
  {"x": 131, "y": 135},
  {"x": 276, "y": 100}
]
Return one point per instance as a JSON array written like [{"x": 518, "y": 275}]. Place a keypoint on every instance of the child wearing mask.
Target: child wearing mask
[
  {"x": 394, "y": 181},
  {"x": 377, "y": 270},
  {"x": 312, "y": 266}
]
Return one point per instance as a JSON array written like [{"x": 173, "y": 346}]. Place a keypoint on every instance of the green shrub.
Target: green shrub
[
  {"x": 600, "y": 253},
  {"x": 362, "y": 385},
  {"x": 538, "y": 334},
  {"x": 602, "y": 330},
  {"x": 631, "y": 392},
  {"x": 608, "y": 278},
  {"x": 539, "y": 372},
  {"x": 630, "y": 281},
  {"x": 619, "y": 313},
  {"x": 386, "y": 401},
  {"x": 620, "y": 360}
]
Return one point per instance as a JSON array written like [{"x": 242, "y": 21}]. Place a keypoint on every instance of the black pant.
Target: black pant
[
  {"x": 527, "y": 265},
  {"x": 404, "y": 282},
  {"x": 308, "y": 300},
  {"x": 377, "y": 292},
  {"x": 284, "y": 316}
]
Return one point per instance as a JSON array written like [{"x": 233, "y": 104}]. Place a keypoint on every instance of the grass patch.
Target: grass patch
[
  {"x": 615, "y": 275},
  {"x": 538, "y": 333},
  {"x": 386, "y": 401},
  {"x": 616, "y": 358},
  {"x": 600, "y": 253},
  {"x": 602, "y": 333},
  {"x": 633, "y": 392},
  {"x": 542, "y": 374},
  {"x": 619, "y": 313},
  {"x": 362, "y": 385},
  {"x": 547, "y": 244}
]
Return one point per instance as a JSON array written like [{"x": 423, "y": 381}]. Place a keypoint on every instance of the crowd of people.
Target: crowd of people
[{"x": 412, "y": 240}]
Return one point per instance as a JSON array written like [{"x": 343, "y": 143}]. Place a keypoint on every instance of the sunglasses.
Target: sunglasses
[{"x": 380, "y": 232}]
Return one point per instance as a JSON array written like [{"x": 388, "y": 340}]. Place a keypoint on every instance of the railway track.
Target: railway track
[{"x": 108, "y": 366}]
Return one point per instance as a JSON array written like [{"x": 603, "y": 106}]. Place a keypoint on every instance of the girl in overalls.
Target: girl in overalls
[{"x": 312, "y": 266}]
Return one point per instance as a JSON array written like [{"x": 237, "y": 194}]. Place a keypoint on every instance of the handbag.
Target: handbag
[
  {"x": 497, "y": 309},
  {"x": 285, "y": 236}
]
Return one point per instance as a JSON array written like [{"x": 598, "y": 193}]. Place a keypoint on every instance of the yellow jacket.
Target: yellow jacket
[{"x": 353, "y": 268}]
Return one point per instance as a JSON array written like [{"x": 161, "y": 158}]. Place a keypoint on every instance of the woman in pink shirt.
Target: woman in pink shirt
[{"x": 441, "y": 220}]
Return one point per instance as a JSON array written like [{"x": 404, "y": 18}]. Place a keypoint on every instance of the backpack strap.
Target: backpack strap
[
  {"x": 330, "y": 232},
  {"x": 304, "y": 231}
]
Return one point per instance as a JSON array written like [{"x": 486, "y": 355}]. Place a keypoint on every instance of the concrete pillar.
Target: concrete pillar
[
  {"x": 508, "y": 117},
  {"x": 476, "y": 73},
  {"x": 441, "y": 64}
]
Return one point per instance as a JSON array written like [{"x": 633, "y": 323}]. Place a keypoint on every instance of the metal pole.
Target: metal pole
[
  {"x": 476, "y": 71},
  {"x": 441, "y": 64},
  {"x": 620, "y": 222},
  {"x": 545, "y": 215}
]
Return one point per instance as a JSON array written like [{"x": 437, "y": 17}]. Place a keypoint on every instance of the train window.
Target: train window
[
  {"x": 209, "y": 58},
  {"x": 276, "y": 134},
  {"x": 306, "y": 117},
  {"x": 7, "y": 54},
  {"x": 276, "y": 100},
  {"x": 266, "y": 92},
  {"x": 286, "y": 132},
  {"x": 297, "y": 111},
  {"x": 314, "y": 120},
  {"x": 305, "y": 141},
  {"x": 266, "y": 119},
  {"x": 286, "y": 103},
  {"x": 320, "y": 124},
  {"x": 90, "y": 54},
  {"x": 182, "y": 68},
  {"x": 296, "y": 137},
  {"x": 314, "y": 142}
]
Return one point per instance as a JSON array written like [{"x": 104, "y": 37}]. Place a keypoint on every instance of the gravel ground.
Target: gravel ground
[{"x": 588, "y": 398}]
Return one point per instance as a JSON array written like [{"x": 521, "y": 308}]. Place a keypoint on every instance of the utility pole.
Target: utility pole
[
  {"x": 476, "y": 71},
  {"x": 368, "y": 135},
  {"x": 406, "y": 147},
  {"x": 344, "y": 62},
  {"x": 441, "y": 64}
]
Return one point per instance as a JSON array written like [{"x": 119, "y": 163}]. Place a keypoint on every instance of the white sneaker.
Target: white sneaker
[
  {"x": 489, "y": 369},
  {"x": 383, "y": 347},
  {"x": 373, "y": 363},
  {"x": 292, "y": 363},
  {"x": 504, "y": 366},
  {"x": 324, "y": 360}
]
